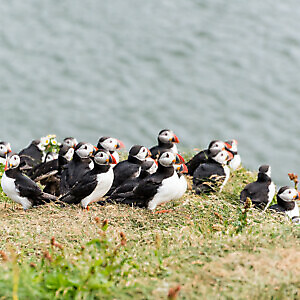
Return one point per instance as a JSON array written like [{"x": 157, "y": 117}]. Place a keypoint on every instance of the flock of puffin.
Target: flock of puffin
[{"x": 82, "y": 173}]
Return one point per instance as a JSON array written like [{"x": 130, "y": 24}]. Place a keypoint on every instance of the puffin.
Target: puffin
[
  {"x": 71, "y": 142},
  {"x": 214, "y": 147},
  {"x": 21, "y": 188},
  {"x": 51, "y": 171},
  {"x": 181, "y": 169},
  {"x": 167, "y": 141},
  {"x": 112, "y": 145},
  {"x": 235, "y": 162},
  {"x": 149, "y": 167},
  {"x": 130, "y": 168},
  {"x": 31, "y": 156},
  {"x": 286, "y": 203},
  {"x": 158, "y": 188},
  {"x": 262, "y": 191},
  {"x": 94, "y": 184},
  {"x": 213, "y": 174},
  {"x": 4, "y": 150},
  {"x": 77, "y": 167}
]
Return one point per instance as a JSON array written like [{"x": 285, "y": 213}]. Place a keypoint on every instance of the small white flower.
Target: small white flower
[
  {"x": 53, "y": 141},
  {"x": 43, "y": 140}
]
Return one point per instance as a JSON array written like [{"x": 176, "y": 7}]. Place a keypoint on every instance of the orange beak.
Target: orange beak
[
  {"x": 298, "y": 195},
  {"x": 184, "y": 169},
  {"x": 230, "y": 156},
  {"x": 181, "y": 159},
  {"x": 6, "y": 165},
  {"x": 228, "y": 146},
  {"x": 113, "y": 160},
  {"x": 120, "y": 145},
  {"x": 175, "y": 139}
]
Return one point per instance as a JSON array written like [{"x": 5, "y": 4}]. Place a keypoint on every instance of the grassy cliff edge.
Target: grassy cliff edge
[{"x": 206, "y": 247}]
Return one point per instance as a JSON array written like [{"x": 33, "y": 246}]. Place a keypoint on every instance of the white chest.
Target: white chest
[
  {"x": 235, "y": 162},
  {"x": 9, "y": 188},
  {"x": 104, "y": 182},
  {"x": 166, "y": 192},
  {"x": 227, "y": 174},
  {"x": 115, "y": 154},
  {"x": 294, "y": 212},
  {"x": 182, "y": 187}
]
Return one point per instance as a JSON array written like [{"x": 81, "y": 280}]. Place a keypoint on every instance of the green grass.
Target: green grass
[{"x": 206, "y": 245}]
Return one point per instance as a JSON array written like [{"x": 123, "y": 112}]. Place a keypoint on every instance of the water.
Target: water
[{"x": 206, "y": 69}]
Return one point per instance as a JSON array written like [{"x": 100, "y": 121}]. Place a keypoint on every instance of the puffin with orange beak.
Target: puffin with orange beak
[
  {"x": 286, "y": 203},
  {"x": 94, "y": 184},
  {"x": 202, "y": 157},
  {"x": 167, "y": 141},
  {"x": 77, "y": 167},
  {"x": 235, "y": 162},
  {"x": 112, "y": 145},
  {"x": 212, "y": 175},
  {"x": 158, "y": 188},
  {"x": 21, "y": 188},
  {"x": 130, "y": 168},
  {"x": 4, "y": 150}
]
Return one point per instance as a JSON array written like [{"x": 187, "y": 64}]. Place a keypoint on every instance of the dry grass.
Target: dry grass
[{"x": 196, "y": 245}]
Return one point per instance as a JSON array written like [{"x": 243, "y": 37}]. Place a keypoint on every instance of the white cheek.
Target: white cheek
[{"x": 164, "y": 138}]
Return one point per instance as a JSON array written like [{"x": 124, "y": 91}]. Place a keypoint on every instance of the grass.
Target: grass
[{"x": 206, "y": 247}]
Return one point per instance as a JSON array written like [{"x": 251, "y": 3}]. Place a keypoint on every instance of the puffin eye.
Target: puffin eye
[
  {"x": 167, "y": 155},
  {"x": 289, "y": 192},
  {"x": 144, "y": 150}
]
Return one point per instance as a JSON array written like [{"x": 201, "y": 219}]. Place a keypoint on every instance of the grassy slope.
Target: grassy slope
[{"x": 201, "y": 245}]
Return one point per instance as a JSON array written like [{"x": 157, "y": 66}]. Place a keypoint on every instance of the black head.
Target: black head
[
  {"x": 288, "y": 194},
  {"x": 4, "y": 149},
  {"x": 139, "y": 152},
  {"x": 70, "y": 141},
  {"x": 167, "y": 136}
]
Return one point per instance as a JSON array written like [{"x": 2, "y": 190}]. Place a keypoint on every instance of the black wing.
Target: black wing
[
  {"x": 122, "y": 172},
  {"x": 80, "y": 190},
  {"x": 41, "y": 170},
  {"x": 198, "y": 159}
]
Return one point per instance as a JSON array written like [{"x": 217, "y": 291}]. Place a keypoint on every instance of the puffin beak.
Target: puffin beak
[
  {"x": 228, "y": 146},
  {"x": 183, "y": 169},
  {"x": 298, "y": 196},
  {"x": 180, "y": 159},
  {"x": 112, "y": 160},
  {"x": 230, "y": 156},
  {"x": 120, "y": 145},
  {"x": 6, "y": 164},
  {"x": 175, "y": 139}
]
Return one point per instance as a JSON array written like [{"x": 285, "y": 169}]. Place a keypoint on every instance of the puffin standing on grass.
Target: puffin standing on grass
[
  {"x": 77, "y": 167},
  {"x": 235, "y": 162},
  {"x": 130, "y": 168},
  {"x": 112, "y": 145},
  {"x": 4, "y": 150},
  {"x": 167, "y": 141},
  {"x": 149, "y": 167},
  {"x": 213, "y": 174},
  {"x": 31, "y": 156},
  {"x": 158, "y": 188},
  {"x": 214, "y": 147},
  {"x": 94, "y": 184},
  {"x": 21, "y": 188},
  {"x": 262, "y": 191},
  {"x": 286, "y": 203}
]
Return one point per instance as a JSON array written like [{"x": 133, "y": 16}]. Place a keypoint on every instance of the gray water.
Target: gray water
[{"x": 213, "y": 69}]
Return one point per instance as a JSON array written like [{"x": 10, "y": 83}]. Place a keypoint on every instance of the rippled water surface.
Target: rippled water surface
[{"x": 206, "y": 69}]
